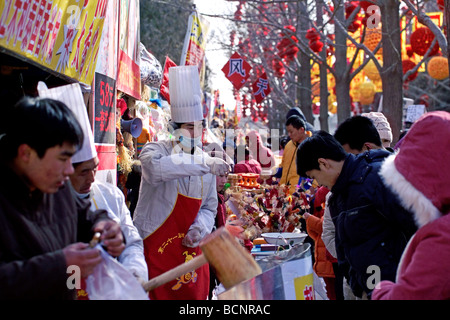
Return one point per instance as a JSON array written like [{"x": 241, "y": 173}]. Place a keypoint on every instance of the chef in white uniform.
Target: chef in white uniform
[
  {"x": 105, "y": 196},
  {"x": 178, "y": 200}
]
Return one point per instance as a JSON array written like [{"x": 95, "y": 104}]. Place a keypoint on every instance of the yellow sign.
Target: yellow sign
[
  {"x": 304, "y": 289},
  {"x": 63, "y": 36}
]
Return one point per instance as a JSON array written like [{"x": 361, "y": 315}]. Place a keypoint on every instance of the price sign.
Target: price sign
[{"x": 104, "y": 110}]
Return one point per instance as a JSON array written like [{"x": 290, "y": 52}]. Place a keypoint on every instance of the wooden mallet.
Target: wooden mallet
[{"x": 232, "y": 262}]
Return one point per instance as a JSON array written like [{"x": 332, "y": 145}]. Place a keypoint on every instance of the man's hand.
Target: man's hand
[
  {"x": 112, "y": 237},
  {"x": 79, "y": 254},
  {"x": 217, "y": 166}
]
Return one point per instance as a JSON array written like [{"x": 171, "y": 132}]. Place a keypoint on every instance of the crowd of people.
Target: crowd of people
[{"x": 378, "y": 225}]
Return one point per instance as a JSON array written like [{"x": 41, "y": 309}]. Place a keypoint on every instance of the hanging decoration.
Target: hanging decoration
[
  {"x": 237, "y": 70},
  {"x": 355, "y": 24},
  {"x": 373, "y": 37},
  {"x": 314, "y": 40},
  {"x": 408, "y": 65},
  {"x": 371, "y": 71},
  {"x": 287, "y": 46},
  {"x": 421, "y": 40},
  {"x": 366, "y": 93},
  {"x": 261, "y": 88},
  {"x": 438, "y": 68}
]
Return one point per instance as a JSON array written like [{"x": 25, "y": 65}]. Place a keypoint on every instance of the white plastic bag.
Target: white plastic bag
[{"x": 111, "y": 281}]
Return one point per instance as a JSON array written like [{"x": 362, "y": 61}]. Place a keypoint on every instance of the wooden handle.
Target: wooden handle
[{"x": 172, "y": 274}]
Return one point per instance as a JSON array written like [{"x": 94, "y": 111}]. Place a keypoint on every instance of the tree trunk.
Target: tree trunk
[
  {"x": 342, "y": 75},
  {"x": 392, "y": 72},
  {"x": 447, "y": 24},
  {"x": 304, "y": 72},
  {"x": 323, "y": 118}
]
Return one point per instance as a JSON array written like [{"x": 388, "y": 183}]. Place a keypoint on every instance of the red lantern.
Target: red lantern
[
  {"x": 316, "y": 45},
  {"x": 421, "y": 40},
  {"x": 278, "y": 68},
  {"x": 408, "y": 65}
]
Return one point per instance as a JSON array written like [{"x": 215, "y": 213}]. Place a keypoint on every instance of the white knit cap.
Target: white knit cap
[
  {"x": 185, "y": 94},
  {"x": 381, "y": 123},
  {"x": 73, "y": 98}
]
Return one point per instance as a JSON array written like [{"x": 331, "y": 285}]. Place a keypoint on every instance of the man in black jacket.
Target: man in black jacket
[
  {"x": 44, "y": 228},
  {"x": 372, "y": 228}
]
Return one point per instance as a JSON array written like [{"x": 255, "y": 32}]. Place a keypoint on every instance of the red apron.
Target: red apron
[{"x": 163, "y": 251}]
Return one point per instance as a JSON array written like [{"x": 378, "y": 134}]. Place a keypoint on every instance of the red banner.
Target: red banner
[
  {"x": 164, "y": 90},
  {"x": 261, "y": 88},
  {"x": 129, "y": 77},
  {"x": 237, "y": 70}
]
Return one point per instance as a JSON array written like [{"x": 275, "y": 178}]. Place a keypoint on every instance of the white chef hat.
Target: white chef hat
[
  {"x": 185, "y": 94},
  {"x": 71, "y": 95},
  {"x": 381, "y": 124}
]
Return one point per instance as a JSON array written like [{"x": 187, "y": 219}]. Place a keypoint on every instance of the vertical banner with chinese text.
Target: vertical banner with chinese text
[
  {"x": 193, "y": 53},
  {"x": 104, "y": 125},
  {"x": 129, "y": 75}
]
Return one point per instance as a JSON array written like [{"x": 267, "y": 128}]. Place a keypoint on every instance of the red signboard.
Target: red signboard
[
  {"x": 129, "y": 77},
  {"x": 261, "y": 88},
  {"x": 237, "y": 70}
]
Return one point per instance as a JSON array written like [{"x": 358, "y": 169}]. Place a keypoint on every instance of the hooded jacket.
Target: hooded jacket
[
  {"x": 372, "y": 228},
  {"x": 419, "y": 174}
]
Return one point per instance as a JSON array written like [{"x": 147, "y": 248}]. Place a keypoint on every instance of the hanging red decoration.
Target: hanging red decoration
[
  {"x": 366, "y": 4},
  {"x": 440, "y": 4},
  {"x": 314, "y": 40},
  {"x": 287, "y": 47},
  {"x": 421, "y": 40},
  {"x": 355, "y": 24},
  {"x": 316, "y": 45},
  {"x": 408, "y": 65},
  {"x": 278, "y": 68}
]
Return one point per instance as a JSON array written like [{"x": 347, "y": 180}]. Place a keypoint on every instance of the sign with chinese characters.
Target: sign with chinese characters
[
  {"x": 261, "y": 88},
  {"x": 63, "y": 36},
  {"x": 237, "y": 70},
  {"x": 195, "y": 41},
  {"x": 104, "y": 110}
]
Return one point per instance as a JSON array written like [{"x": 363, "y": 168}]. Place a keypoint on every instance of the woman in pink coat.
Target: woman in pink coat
[{"x": 420, "y": 175}]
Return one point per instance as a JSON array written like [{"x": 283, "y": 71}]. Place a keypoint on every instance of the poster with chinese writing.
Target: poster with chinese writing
[{"x": 62, "y": 36}]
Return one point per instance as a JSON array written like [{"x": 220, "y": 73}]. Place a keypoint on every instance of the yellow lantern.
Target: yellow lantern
[
  {"x": 366, "y": 93},
  {"x": 438, "y": 68},
  {"x": 371, "y": 71},
  {"x": 373, "y": 37}
]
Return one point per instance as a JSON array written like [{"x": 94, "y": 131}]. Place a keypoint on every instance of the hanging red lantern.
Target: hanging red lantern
[
  {"x": 278, "y": 68},
  {"x": 287, "y": 47},
  {"x": 421, "y": 40},
  {"x": 408, "y": 65},
  {"x": 316, "y": 45}
]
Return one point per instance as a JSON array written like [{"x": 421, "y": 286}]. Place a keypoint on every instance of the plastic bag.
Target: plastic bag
[{"x": 111, "y": 281}]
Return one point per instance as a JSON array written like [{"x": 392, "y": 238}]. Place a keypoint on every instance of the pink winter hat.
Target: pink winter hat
[
  {"x": 420, "y": 172},
  {"x": 381, "y": 124}
]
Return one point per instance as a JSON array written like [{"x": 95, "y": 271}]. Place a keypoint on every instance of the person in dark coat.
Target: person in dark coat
[
  {"x": 44, "y": 228},
  {"x": 372, "y": 228}
]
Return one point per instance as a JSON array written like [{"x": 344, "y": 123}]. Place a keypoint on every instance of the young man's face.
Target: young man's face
[
  {"x": 296, "y": 135},
  {"x": 84, "y": 175},
  {"x": 327, "y": 174},
  {"x": 50, "y": 172}
]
